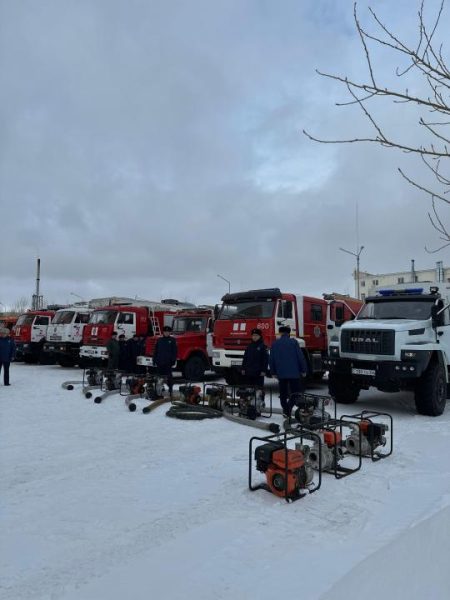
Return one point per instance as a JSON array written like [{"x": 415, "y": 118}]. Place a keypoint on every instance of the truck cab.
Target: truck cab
[
  {"x": 30, "y": 333},
  {"x": 65, "y": 334},
  {"x": 399, "y": 341},
  {"x": 191, "y": 330}
]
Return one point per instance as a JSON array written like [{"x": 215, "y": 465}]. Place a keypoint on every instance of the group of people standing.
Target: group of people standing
[
  {"x": 123, "y": 354},
  {"x": 286, "y": 363}
]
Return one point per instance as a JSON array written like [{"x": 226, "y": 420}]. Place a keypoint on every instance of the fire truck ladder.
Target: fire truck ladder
[{"x": 155, "y": 324}]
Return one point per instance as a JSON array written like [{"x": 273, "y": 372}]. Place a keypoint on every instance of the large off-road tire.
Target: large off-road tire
[
  {"x": 194, "y": 368},
  {"x": 342, "y": 388},
  {"x": 430, "y": 394},
  {"x": 66, "y": 361}
]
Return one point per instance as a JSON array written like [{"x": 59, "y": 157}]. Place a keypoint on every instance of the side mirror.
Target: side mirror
[{"x": 437, "y": 314}]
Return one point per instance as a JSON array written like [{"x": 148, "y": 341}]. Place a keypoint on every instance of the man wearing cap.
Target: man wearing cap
[
  {"x": 256, "y": 358},
  {"x": 288, "y": 365},
  {"x": 165, "y": 355},
  {"x": 113, "y": 352},
  {"x": 7, "y": 353}
]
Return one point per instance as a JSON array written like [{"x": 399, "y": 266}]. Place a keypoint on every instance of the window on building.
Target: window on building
[
  {"x": 400, "y": 280},
  {"x": 363, "y": 284},
  {"x": 363, "y": 297},
  {"x": 374, "y": 281}
]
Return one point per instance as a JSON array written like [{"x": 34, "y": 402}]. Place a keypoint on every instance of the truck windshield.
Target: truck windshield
[
  {"x": 189, "y": 324},
  {"x": 25, "y": 320},
  {"x": 247, "y": 310},
  {"x": 397, "y": 309},
  {"x": 63, "y": 318},
  {"x": 103, "y": 317}
]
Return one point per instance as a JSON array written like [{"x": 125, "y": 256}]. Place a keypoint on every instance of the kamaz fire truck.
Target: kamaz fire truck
[
  {"x": 399, "y": 341},
  {"x": 8, "y": 321},
  {"x": 65, "y": 334},
  {"x": 313, "y": 322},
  {"x": 30, "y": 333},
  {"x": 128, "y": 317},
  {"x": 192, "y": 330}
]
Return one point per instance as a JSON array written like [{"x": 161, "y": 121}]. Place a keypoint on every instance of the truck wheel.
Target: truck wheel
[
  {"x": 194, "y": 368},
  {"x": 431, "y": 392},
  {"x": 342, "y": 388},
  {"x": 66, "y": 362}
]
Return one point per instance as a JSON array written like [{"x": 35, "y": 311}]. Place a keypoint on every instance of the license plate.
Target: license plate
[
  {"x": 236, "y": 363},
  {"x": 370, "y": 372}
]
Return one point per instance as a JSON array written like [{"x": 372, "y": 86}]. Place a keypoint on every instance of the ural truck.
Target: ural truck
[
  {"x": 30, "y": 333},
  {"x": 192, "y": 330},
  {"x": 128, "y": 317},
  {"x": 313, "y": 322},
  {"x": 399, "y": 341},
  {"x": 65, "y": 334}
]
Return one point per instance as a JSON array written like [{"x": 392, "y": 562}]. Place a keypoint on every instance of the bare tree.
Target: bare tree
[
  {"x": 20, "y": 305},
  {"x": 424, "y": 58}
]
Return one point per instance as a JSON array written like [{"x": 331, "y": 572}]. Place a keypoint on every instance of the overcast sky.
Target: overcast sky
[{"x": 148, "y": 145}]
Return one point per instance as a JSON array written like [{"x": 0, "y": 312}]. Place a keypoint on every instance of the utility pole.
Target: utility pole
[
  {"x": 357, "y": 254},
  {"x": 229, "y": 284}
]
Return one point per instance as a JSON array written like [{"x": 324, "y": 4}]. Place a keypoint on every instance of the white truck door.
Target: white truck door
[
  {"x": 39, "y": 328},
  {"x": 126, "y": 324}
]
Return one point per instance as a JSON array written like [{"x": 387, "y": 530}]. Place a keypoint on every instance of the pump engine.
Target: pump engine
[
  {"x": 366, "y": 437},
  {"x": 190, "y": 394},
  {"x": 250, "y": 402},
  {"x": 287, "y": 471}
]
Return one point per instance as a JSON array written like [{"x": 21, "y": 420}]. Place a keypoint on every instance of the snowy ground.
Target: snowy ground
[{"x": 102, "y": 504}]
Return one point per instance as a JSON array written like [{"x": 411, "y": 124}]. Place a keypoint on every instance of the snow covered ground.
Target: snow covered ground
[{"x": 98, "y": 503}]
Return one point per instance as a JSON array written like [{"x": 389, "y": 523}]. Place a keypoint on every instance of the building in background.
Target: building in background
[{"x": 368, "y": 282}]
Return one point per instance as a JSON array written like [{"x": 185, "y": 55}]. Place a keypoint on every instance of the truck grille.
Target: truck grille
[
  {"x": 236, "y": 343},
  {"x": 368, "y": 341}
]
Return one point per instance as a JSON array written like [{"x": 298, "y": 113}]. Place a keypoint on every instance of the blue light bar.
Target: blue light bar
[{"x": 403, "y": 291}]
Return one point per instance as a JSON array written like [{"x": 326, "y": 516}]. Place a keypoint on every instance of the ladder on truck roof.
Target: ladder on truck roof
[{"x": 155, "y": 323}]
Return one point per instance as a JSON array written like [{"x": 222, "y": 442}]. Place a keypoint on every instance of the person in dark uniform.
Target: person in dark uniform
[
  {"x": 165, "y": 355},
  {"x": 113, "y": 352},
  {"x": 256, "y": 359},
  {"x": 123, "y": 353},
  {"x": 133, "y": 353},
  {"x": 7, "y": 353},
  {"x": 289, "y": 366}
]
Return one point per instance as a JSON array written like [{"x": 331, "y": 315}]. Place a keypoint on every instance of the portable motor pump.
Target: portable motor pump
[
  {"x": 310, "y": 410},
  {"x": 136, "y": 385},
  {"x": 111, "y": 380},
  {"x": 93, "y": 377},
  {"x": 369, "y": 434},
  {"x": 190, "y": 394},
  {"x": 251, "y": 402},
  {"x": 216, "y": 396},
  {"x": 286, "y": 470},
  {"x": 330, "y": 452}
]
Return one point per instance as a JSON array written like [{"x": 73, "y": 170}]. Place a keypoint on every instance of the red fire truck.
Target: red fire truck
[
  {"x": 8, "y": 321},
  {"x": 313, "y": 322},
  {"x": 192, "y": 330},
  {"x": 30, "y": 333},
  {"x": 128, "y": 317}
]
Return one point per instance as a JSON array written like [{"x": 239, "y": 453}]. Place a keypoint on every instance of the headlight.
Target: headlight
[
  {"x": 216, "y": 354},
  {"x": 409, "y": 354},
  {"x": 334, "y": 351}
]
